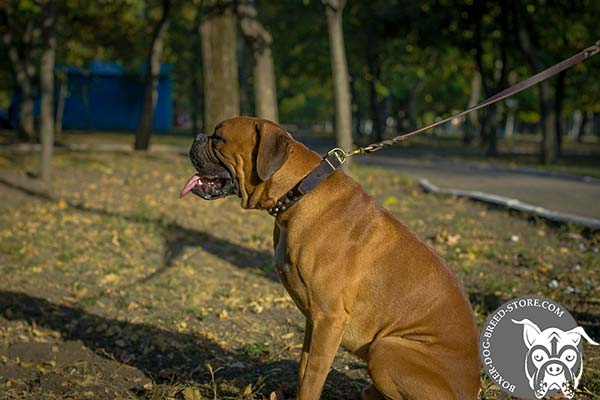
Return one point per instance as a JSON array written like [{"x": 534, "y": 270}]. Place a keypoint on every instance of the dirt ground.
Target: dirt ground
[{"x": 112, "y": 288}]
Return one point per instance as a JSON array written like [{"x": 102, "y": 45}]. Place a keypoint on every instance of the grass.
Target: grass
[{"x": 113, "y": 288}]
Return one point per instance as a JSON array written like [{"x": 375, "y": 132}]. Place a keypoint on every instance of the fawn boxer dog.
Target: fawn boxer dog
[{"x": 361, "y": 278}]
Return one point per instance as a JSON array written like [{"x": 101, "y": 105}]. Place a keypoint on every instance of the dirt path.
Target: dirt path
[{"x": 555, "y": 192}]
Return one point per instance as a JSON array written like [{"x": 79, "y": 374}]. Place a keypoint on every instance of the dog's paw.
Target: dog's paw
[
  {"x": 541, "y": 390},
  {"x": 568, "y": 390}
]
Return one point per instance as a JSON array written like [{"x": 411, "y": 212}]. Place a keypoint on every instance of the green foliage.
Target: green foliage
[
  {"x": 399, "y": 52},
  {"x": 301, "y": 56}
]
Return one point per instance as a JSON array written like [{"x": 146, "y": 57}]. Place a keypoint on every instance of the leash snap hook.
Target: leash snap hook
[{"x": 360, "y": 151}]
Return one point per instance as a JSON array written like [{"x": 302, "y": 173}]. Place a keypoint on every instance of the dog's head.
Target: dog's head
[
  {"x": 243, "y": 157},
  {"x": 553, "y": 360}
]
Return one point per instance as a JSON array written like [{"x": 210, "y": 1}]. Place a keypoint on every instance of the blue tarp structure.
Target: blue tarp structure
[{"x": 108, "y": 97}]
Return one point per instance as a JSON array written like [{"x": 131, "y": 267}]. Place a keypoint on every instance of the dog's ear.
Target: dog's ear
[
  {"x": 577, "y": 333},
  {"x": 530, "y": 331},
  {"x": 273, "y": 149}
]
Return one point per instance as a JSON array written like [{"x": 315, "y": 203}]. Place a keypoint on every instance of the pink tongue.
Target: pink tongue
[{"x": 190, "y": 185}]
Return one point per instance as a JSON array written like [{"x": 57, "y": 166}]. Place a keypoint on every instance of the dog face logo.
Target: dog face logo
[{"x": 553, "y": 361}]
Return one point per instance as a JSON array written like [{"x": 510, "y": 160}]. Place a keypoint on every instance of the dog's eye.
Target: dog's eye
[
  {"x": 216, "y": 138},
  {"x": 538, "y": 355},
  {"x": 569, "y": 355}
]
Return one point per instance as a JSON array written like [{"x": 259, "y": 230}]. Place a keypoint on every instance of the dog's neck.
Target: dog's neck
[{"x": 327, "y": 166}]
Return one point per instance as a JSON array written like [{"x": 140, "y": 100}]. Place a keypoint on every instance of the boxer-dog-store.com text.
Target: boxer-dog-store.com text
[{"x": 531, "y": 348}]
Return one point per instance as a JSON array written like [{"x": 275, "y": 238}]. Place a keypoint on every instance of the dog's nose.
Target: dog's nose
[
  {"x": 554, "y": 369},
  {"x": 201, "y": 137}
]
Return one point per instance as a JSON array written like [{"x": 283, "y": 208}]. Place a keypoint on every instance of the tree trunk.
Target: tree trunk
[
  {"x": 264, "y": 85},
  {"x": 472, "y": 120},
  {"x": 549, "y": 142},
  {"x": 197, "y": 91},
  {"x": 374, "y": 102},
  {"x": 341, "y": 83},
  {"x": 221, "y": 89},
  {"x": 47, "y": 89},
  {"x": 576, "y": 123},
  {"x": 492, "y": 134},
  {"x": 259, "y": 40},
  {"x": 23, "y": 69},
  {"x": 412, "y": 110},
  {"x": 494, "y": 79},
  {"x": 582, "y": 125},
  {"x": 558, "y": 105},
  {"x": 146, "y": 123},
  {"x": 509, "y": 126},
  {"x": 60, "y": 107},
  {"x": 26, "y": 122},
  {"x": 245, "y": 61}
]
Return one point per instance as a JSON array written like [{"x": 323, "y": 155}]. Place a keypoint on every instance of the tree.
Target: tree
[
  {"x": 259, "y": 41},
  {"x": 20, "y": 35},
  {"x": 219, "y": 62},
  {"x": 374, "y": 27},
  {"x": 47, "y": 87},
  {"x": 472, "y": 120},
  {"x": 301, "y": 57},
  {"x": 195, "y": 73},
  {"x": 494, "y": 72},
  {"x": 144, "y": 130},
  {"x": 547, "y": 93},
  {"x": 183, "y": 49},
  {"x": 341, "y": 82}
]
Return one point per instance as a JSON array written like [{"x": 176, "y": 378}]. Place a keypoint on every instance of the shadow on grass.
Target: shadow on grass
[
  {"x": 176, "y": 238},
  {"x": 163, "y": 355},
  {"x": 488, "y": 302}
]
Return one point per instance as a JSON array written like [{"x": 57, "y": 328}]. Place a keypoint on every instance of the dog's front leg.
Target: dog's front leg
[
  {"x": 321, "y": 343},
  {"x": 305, "y": 348}
]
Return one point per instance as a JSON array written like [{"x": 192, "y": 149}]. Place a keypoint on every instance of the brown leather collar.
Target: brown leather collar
[{"x": 332, "y": 161}]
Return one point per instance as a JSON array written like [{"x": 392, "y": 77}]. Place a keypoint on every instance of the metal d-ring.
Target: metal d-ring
[{"x": 339, "y": 153}]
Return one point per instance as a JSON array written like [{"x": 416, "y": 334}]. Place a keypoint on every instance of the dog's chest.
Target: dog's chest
[
  {"x": 290, "y": 273},
  {"x": 280, "y": 252}
]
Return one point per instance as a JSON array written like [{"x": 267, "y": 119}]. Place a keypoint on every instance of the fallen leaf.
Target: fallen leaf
[
  {"x": 191, "y": 394},
  {"x": 247, "y": 390}
]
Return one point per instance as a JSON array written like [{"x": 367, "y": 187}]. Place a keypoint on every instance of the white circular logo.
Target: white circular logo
[{"x": 531, "y": 348}]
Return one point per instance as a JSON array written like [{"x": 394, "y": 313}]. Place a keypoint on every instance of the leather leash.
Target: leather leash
[{"x": 336, "y": 157}]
